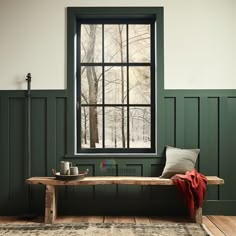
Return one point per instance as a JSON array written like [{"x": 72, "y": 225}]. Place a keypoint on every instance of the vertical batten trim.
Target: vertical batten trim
[
  {"x": 175, "y": 127},
  {"x": 199, "y": 127},
  {"x": 51, "y": 134},
  {"x": 179, "y": 122},
  {"x": 203, "y": 132},
  {"x": 4, "y": 142},
  {"x": 218, "y": 145},
  {"x": 223, "y": 111}
]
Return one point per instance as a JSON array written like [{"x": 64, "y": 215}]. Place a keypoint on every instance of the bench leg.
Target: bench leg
[
  {"x": 50, "y": 204},
  {"x": 198, "y": 215}
]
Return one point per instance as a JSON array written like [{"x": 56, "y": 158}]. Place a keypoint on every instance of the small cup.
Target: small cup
[{"x": 74, "y": 170}]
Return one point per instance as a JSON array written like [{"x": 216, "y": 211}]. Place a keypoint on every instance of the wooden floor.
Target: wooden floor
[{"x": 217, "y": 225}]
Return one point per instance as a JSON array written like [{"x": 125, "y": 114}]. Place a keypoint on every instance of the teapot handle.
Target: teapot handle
[
  {"x": 86, "y": 172},
  {"x": 54, "y": 171}
]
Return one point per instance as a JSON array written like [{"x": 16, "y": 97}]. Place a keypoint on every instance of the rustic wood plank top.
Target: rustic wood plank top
[{"x": 104, "y": 180}]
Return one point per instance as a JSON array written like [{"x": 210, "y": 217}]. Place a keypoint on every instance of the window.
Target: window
[{"x": 114, "y": 91}]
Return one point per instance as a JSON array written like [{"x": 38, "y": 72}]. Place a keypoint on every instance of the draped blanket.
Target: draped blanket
[{"x": 192, "y": 185}]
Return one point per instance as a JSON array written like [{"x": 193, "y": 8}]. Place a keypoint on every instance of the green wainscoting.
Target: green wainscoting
[{"x": 188, "y": 118}]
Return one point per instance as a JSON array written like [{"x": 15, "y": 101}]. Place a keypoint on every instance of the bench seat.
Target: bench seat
[{"x": 51, "y": 191}]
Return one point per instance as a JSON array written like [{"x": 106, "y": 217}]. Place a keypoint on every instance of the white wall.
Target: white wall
[{"x": 200, "y": 39}]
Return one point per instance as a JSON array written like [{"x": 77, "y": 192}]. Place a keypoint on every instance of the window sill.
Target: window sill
[{"x": 114, "y": 155}]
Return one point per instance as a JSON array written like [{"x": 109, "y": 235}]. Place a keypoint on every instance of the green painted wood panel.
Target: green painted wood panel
[
  {"x": 204, "y": 130},
  {"x": 39, "y": 136},
  {"x": 4, "y": 150},
  {"x": 213, "y": 146},
  {"x": 179, "y": 122},
  {"x": 60, "y": 130},
  {"x": 78, "y": 193},
  {"x": 106, "y": 191},
  {"x": 209, "y": 123},
  {"x": 17, "y": 144},
  {"x": 225, "y": 190},
  {"x": 60, "y": 139},
  {"x": 86, "y": 192},
  {"x": 161, "y": 192},
  {"x": 160, "y": 127},
  {"x": 39, "y": 148},
  {"x": 213, "y": 137},
  {"x": 206, "y": 120},
  {"x": 156, "y": 169},
  {"x": 191, "y": 120},
  {"x": 191, "y": 125},
  {"x": 170, "y": 108},
  {"x": 50, "y": 135},
  {"x": 227, "y": 148},
  {"x": 129, "y": 191}
]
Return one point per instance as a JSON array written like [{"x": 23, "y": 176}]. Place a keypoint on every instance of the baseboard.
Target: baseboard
[{"x": 219, "y": 207}]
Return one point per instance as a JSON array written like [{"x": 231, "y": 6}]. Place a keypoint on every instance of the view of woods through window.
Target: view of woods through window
[{"x": 114, "y": 90}]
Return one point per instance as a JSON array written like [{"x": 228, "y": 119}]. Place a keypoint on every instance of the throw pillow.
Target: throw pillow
[{"x": 179, "y": 161}]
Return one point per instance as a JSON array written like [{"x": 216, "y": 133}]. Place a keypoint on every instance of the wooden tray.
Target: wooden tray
[{"x": 81, "y": 175}]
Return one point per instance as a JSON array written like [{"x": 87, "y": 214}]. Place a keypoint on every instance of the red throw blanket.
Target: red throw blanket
[{"x": 193, "y": 187}]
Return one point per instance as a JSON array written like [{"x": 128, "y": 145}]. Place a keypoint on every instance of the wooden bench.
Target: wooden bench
[{"x": 51, "y": 190}]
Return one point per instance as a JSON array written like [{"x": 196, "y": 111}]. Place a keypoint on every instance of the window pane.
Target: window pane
[
  {"x": 139, "y": 43},
  {"x": 91, "y": 85},
  {"x": 139, "y": 85},
  {"x": 115, "y": 127},
  {"x": 91, "y": 127},
  {"x": 115, "y": 85},
  {"x": 115, "y": 43},
  {"x": 140, "y": 130},
  {"x": 91, "y": 43}
]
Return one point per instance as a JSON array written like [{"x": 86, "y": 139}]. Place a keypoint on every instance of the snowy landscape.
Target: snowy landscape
[{"x": 115, "y": 86}]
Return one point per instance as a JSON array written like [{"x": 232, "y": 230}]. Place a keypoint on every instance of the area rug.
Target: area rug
[{"x": 104, "y": 229}]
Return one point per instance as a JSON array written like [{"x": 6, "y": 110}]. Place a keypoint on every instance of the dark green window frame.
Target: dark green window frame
[{"x": 128, "y": 14}]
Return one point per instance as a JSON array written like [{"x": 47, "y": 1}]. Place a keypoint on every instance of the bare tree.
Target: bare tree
[
  {"x": 85, "y": 117},
  {"x": 120, "y": 29},
  {"x": 93, "y": 87},
  {"x": 94, "y": 77}
]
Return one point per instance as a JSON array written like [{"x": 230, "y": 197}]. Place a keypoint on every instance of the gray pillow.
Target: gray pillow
[{"x": 179, "y": 161}]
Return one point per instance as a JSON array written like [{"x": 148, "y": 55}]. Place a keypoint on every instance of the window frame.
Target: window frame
[
  {"x": 127, "y": 64},
  {"x": 131, "y": 13}
]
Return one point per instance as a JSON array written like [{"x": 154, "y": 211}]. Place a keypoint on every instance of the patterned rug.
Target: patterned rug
[{"x": 104, "y": 229}]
